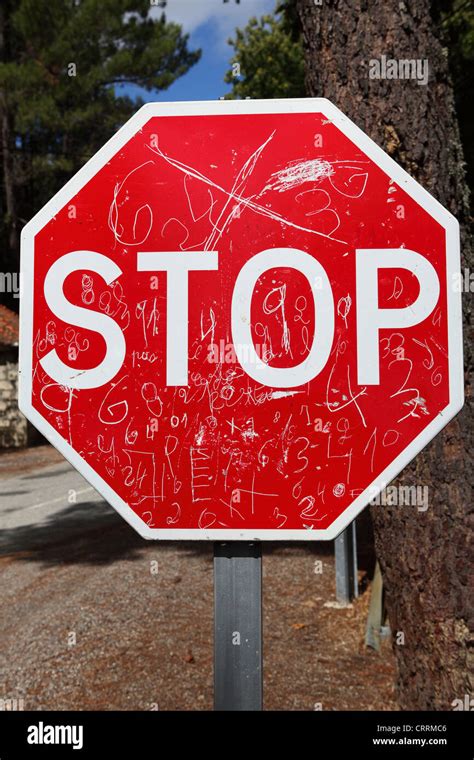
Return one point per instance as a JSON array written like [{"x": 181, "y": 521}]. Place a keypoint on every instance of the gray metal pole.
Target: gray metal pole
[
  {"x": 355, "y": 568},
  {"x": 238, "y": 626},
  {"x": 346, "y": 565}
]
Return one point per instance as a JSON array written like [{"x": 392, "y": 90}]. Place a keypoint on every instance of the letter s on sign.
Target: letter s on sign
[{"x": 88, "y": 319}]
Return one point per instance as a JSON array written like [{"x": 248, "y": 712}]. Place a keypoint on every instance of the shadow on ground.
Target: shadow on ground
[
  {"x": 92, "y": 533},
  {"x": 84, "y": 533}
]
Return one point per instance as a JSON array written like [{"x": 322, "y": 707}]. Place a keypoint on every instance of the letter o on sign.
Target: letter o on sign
[{"x": 311, "y": 366}]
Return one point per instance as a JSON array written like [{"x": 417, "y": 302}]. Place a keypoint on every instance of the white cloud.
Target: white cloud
[{"x": 226, "y": 16}]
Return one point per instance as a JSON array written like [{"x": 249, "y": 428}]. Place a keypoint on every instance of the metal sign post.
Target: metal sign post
[
  {"x": 345, "y": 548},
  {"x": 238, "y": 626}
]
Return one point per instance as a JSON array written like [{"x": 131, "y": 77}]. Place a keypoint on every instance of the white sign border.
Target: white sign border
[{"x": 226, "y": 107}]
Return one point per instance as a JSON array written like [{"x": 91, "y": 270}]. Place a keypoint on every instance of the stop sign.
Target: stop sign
[{"x": 239, "y": 320}]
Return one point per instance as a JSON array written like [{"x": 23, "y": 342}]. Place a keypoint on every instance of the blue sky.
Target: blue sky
[{"x": 209, "y": 23}]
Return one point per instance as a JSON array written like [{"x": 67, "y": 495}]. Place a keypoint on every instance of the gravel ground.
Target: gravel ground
[{"x": 111, "y": 622}]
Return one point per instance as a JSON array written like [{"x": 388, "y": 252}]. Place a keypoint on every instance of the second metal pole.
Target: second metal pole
[{"x": 345, "y": 549}]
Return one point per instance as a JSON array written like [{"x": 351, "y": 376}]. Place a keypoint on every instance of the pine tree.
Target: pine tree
[{"x": 63, "y": 65}]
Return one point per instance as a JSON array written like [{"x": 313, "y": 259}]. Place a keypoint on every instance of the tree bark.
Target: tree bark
[{"x": 425, "y": 562}]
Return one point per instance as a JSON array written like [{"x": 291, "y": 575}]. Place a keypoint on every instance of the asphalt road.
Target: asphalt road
[{"x": 47, "y": 505}]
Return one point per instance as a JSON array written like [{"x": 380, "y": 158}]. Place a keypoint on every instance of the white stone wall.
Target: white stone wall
[{"x": 13, "y": 426}]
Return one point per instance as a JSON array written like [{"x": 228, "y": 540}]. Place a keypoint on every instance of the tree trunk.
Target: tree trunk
[{"x": 425, "y": 563}]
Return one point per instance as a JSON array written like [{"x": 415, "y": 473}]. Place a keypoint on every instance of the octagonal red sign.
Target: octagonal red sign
[{"x": 239, "y": 321}]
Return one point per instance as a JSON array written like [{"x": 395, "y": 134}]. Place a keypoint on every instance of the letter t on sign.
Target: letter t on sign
[{"x": 177, "y": 265}]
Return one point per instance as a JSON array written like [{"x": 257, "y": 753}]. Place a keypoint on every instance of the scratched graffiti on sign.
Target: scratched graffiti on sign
[{"x": 206, "y": 338}]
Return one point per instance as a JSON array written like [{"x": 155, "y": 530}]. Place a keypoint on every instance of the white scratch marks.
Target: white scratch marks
[{"x": 298, "y": 173}]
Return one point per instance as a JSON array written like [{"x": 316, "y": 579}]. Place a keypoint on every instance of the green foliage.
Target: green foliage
[
  {"x": 61, "y": 66},
  {"x": 267, "y": 62}
]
